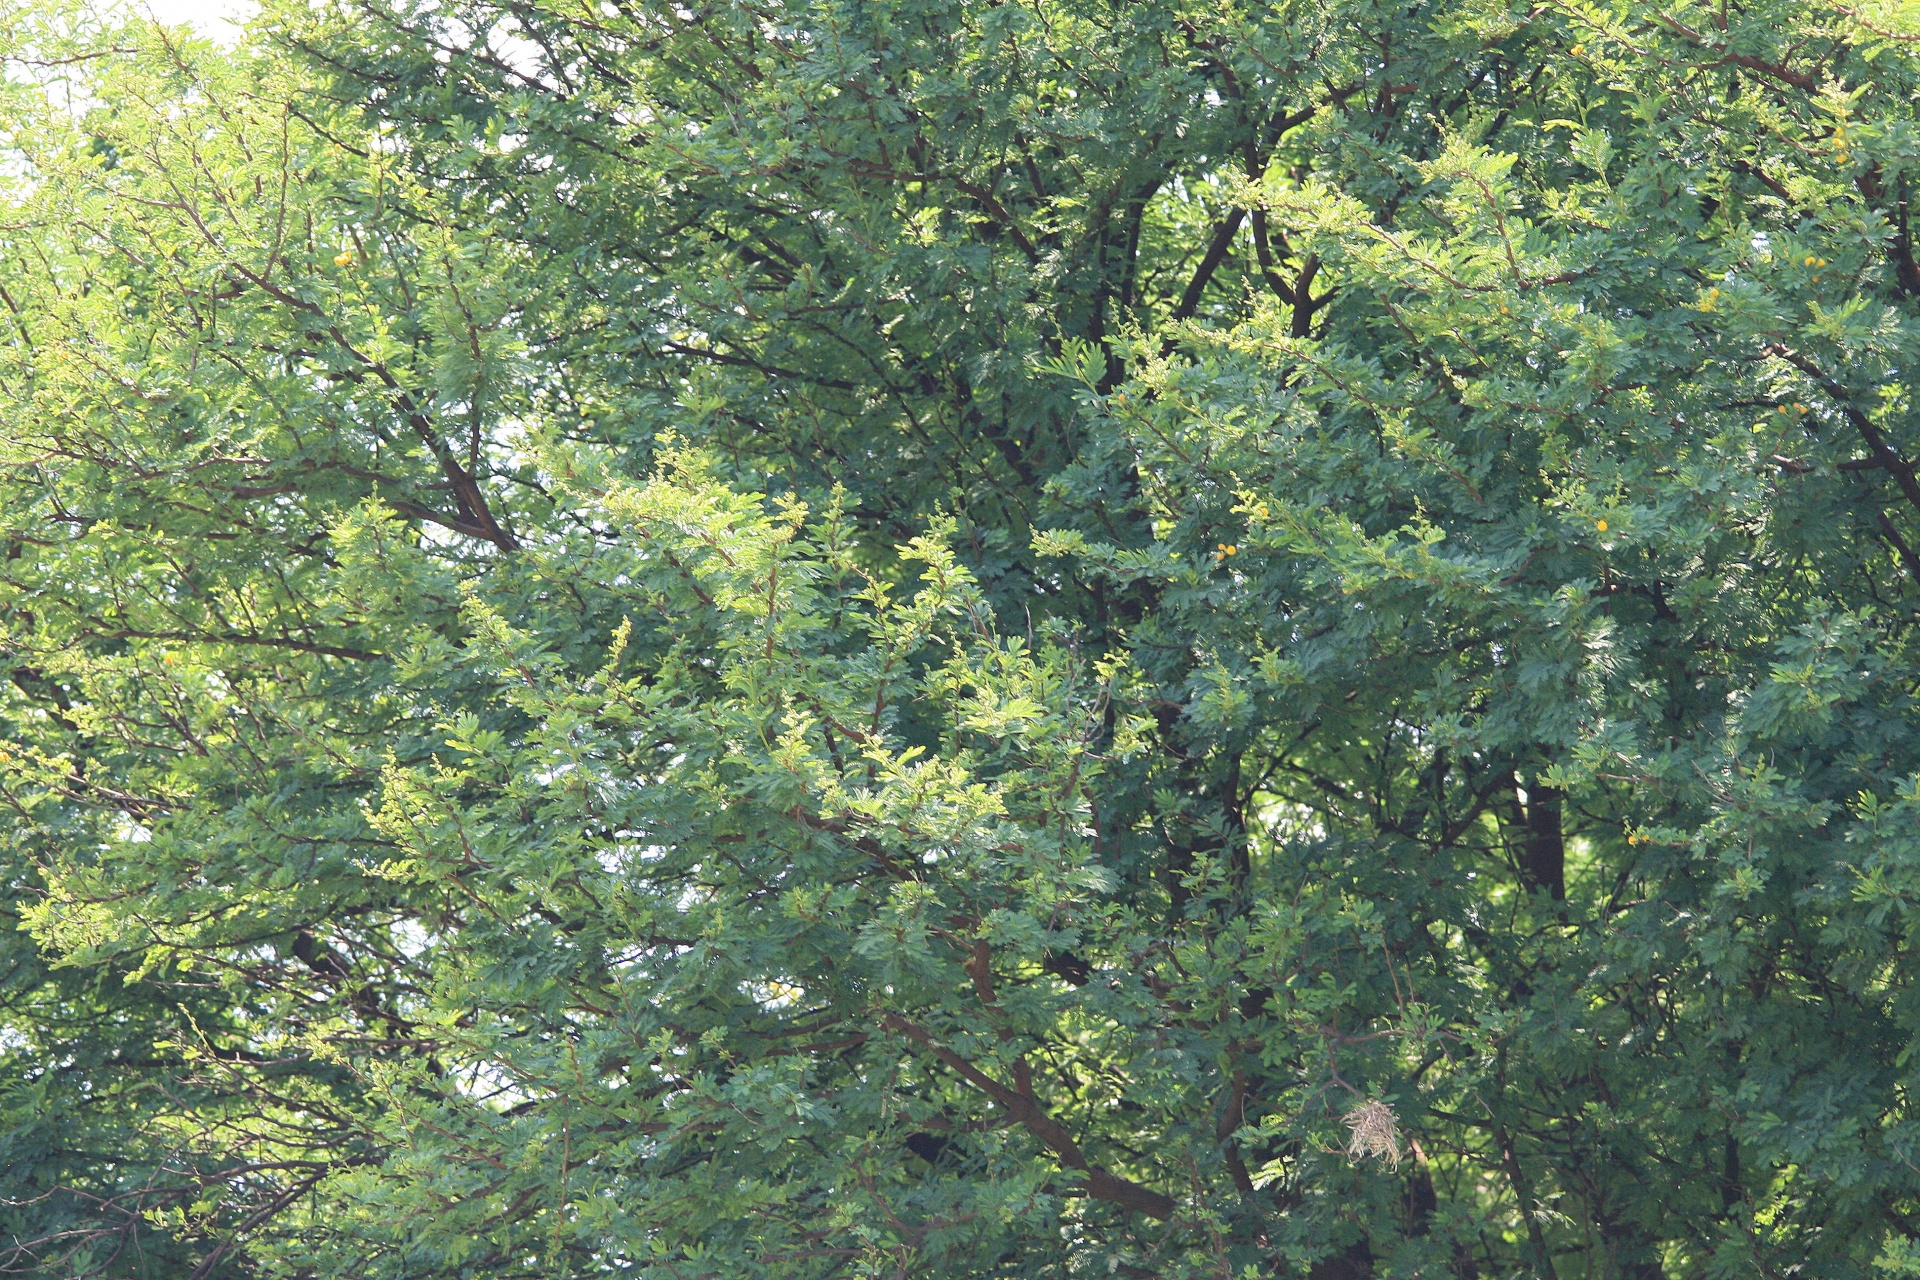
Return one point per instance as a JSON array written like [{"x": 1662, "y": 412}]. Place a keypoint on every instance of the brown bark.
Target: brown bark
[{"x": 1544, "y": 849}]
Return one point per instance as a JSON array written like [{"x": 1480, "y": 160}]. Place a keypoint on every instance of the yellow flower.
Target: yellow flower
[
  {"x": 1784, "y": 409},
  {"x": 1601, "y": 525},
  {"x": 1577, "y": 50},
  {"x": 342, "y": 258},
  {"x": 1232, "y": 550},
  {"x": 1798, "y": 407},
  {"x": 1811, "y": 260}
]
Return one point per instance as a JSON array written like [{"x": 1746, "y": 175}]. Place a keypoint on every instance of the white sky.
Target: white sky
[{"x": 217, "y": 18}]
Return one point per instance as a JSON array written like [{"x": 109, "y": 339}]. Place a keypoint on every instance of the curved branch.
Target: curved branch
[{"x": 1215, "y": 255}]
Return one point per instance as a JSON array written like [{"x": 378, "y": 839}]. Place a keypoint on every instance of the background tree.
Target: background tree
[{"x": 937, "y": 638}]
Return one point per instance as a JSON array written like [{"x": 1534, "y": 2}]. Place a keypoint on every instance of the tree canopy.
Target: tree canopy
[{"x": 961, "y": 638}]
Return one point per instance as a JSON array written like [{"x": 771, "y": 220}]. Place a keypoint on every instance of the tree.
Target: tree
[{"x": 934, "y": 638}]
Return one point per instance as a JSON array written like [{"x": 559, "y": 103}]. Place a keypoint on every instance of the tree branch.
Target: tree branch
[
  {"x": 1883, "y": 452},
  {"x": 1215, "y": 255},
  {"x": 1101, "y": 1185},
  {"x": 473, "y": 503}
]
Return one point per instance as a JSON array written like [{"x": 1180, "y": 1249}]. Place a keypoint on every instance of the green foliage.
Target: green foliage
[{"x": 936, "y": 638}]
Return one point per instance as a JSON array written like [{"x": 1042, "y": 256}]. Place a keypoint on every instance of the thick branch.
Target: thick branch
[
  {"x": 1215, "y": 255},
  {"x": 1900, "y": 545},
  {"x": 239, "y": 637},
  {"x": 1883, "y": 452},
  {"x": 1786, "y": 75},
  {"x": 415, "y": 511},
  {"x": 1304, "y": 303},
  {"x": 472, "y": 502},
  {"x": 1101, "y": 1185}
]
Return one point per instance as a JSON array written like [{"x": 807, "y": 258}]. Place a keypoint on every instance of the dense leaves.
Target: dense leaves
[{"x": 933, "y": 638}]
